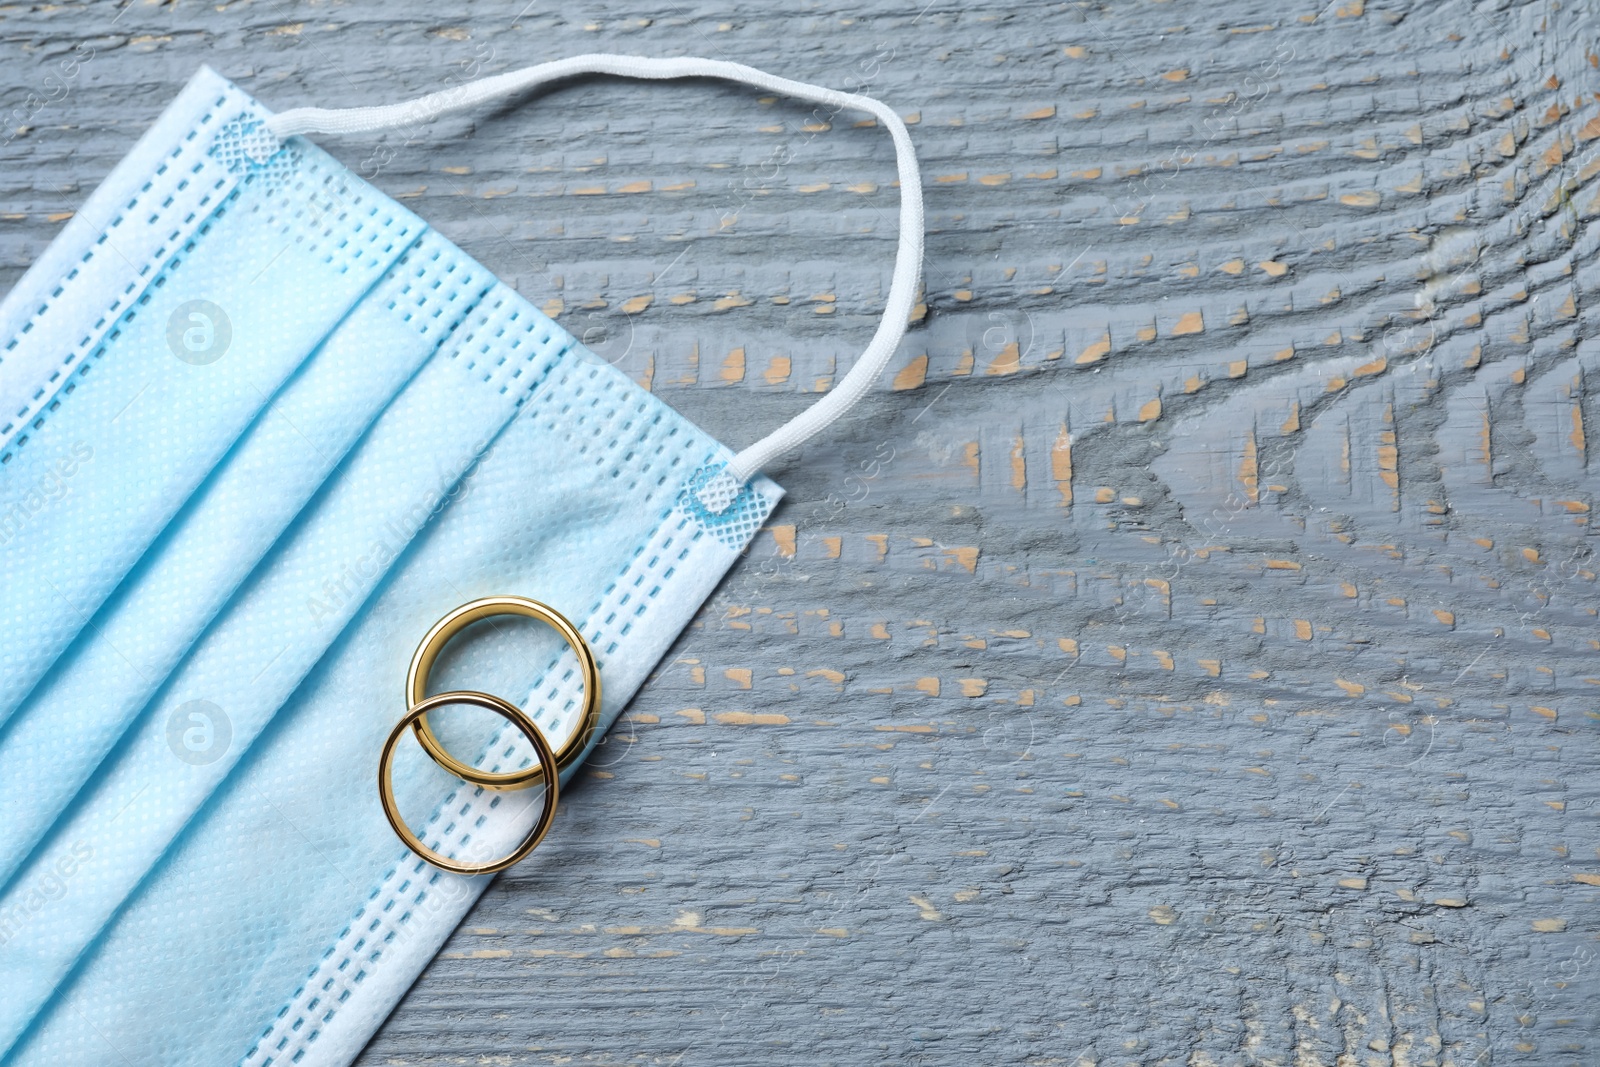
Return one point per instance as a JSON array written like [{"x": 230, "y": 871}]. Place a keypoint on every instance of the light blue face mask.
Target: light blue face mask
[{"x": 259, "y": 428}]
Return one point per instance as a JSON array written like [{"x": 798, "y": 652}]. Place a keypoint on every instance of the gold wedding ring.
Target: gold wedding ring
[
  {"x": 428, "y": 653},
  {"x": 547, "y": 768},
  {"x": 550, "y": 762}
]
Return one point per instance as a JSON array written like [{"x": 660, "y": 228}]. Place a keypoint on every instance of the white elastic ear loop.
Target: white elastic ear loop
[{"x": 908, "y": 260}]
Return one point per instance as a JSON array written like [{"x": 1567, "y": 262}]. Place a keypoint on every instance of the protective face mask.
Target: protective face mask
[{"x": 260, "y": 428}]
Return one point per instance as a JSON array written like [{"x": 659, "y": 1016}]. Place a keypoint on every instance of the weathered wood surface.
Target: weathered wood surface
[{"x": 1188, "y": 658}]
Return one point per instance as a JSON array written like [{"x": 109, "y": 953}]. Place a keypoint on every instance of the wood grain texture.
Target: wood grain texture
[{"x": 1186, "y": 657}]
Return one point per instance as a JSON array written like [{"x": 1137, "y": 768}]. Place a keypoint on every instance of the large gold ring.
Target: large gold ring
[
  {"x": 428, "y": 652},
  {"x": 519, "y": 719}
]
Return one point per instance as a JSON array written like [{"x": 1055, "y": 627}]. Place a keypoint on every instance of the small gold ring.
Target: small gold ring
[
  {"x": 433, "y": 643},
  {"x": 519, "y": 719}
]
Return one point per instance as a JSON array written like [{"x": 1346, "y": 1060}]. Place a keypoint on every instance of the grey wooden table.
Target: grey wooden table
[{"x": 1188, "y": 657}]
